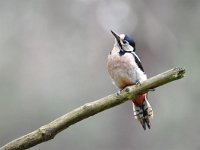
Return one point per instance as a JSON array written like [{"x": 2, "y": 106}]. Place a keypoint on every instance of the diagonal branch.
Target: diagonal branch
[{"x": 49, "y": 131}]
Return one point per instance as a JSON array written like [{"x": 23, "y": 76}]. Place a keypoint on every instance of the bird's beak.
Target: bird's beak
[{"x": 116, "y": 36}]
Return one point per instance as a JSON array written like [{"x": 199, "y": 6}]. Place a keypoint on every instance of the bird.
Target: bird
[{"x": 125, "y": 69}]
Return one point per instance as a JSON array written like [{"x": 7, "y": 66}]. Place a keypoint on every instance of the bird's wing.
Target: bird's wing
[{"x": 137, "y": 60}]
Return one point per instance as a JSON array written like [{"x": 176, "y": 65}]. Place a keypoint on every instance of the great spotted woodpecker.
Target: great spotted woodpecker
[{"x": 125, "y": 69}]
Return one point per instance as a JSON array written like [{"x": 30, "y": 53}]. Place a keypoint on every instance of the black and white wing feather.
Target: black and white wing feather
[{"x": 137, "y": 60}]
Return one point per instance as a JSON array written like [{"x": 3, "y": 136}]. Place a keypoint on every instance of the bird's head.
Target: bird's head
[{"x": 124, "y": 42}]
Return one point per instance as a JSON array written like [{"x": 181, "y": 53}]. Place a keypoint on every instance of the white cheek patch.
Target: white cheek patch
[{"x": 127, "y": 47}]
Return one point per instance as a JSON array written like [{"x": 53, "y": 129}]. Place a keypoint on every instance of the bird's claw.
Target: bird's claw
[{"x": 138, "y": 82}]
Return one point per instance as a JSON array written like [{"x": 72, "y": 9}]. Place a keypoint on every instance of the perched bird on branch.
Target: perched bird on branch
[{"x": 125, "y": 69}]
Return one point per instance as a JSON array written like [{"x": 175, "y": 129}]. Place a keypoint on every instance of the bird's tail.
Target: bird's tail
[{"x": 143, "y": 111}]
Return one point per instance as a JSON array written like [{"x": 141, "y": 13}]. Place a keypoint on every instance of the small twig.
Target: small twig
[{"x": 49, "y": 131}]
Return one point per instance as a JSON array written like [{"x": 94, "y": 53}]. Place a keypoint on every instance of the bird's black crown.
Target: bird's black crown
[{"x": 130, "y": 40}]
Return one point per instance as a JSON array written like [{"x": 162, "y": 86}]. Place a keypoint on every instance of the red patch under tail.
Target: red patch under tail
[{"x": 142, "y": 110}]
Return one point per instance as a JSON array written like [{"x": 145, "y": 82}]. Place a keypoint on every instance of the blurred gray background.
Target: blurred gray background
[{"x": 53, "y": 59}]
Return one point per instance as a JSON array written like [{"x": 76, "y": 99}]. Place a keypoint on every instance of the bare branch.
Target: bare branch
[{"x": 49, "y": 131}]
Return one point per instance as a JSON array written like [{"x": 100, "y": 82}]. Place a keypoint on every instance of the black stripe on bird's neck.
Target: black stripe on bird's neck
[{"x": 122, "y": 52}]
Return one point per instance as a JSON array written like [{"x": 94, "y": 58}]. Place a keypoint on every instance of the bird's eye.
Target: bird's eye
[{"x": 125, "y": 42}]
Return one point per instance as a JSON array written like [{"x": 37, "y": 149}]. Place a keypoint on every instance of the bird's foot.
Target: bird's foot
[{"x": 137, "y": 82}]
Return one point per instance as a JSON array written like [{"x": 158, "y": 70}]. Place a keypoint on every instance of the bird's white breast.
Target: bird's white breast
[{"x": 123, "y": 69}]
